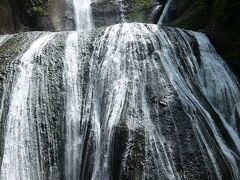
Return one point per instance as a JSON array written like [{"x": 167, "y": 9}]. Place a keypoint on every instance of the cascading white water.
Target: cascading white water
[
  {"x": 121, "y": 69},
  {"x": 82, "y": 15},
  {"x": 137, "y": 101},
  {"x": 122, "y": 84},
  {"x": 73, "y": 115},
  {"x": 20, "y": 159},
  {"x": 207, "y": 78},
  {"x": 213, "y": 69},
  {"x": 73, "y": 147},
  {"x": 4, "y": 38}
]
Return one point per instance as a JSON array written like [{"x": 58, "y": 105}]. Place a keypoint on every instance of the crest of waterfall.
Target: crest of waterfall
[
  {"x": 82, "y": 15},
  {"x": 134, "y": 100}
]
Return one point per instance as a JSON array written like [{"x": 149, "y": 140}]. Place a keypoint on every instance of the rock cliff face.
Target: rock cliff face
[
  {"x": 26, "y": 15},
  {"x": 57, "y": 15},
  {"x": 108, "y": 12},
  {"x": 10, "y": 17}
]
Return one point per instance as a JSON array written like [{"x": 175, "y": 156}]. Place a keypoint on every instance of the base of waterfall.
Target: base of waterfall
[{"x": 130, "y": 101}]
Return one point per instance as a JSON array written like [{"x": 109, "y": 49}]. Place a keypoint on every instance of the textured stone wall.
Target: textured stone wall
[{"x": 26, "y": 15}]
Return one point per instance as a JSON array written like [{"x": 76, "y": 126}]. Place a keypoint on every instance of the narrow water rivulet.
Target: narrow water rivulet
[{"x": 164, "y": 18}]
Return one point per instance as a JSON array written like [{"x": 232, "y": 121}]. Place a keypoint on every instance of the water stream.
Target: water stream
[
  {"x": 164, "y": 16},
  {"x": 82, "y": 15},
  {"x": 20, "y": 159}
]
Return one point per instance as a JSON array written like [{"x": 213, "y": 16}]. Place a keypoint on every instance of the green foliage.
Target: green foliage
[
  {"x": 39, "y": 7},
  {"x": 147, "y": 4},
  {"x": 39, "y": 10},
  {"x": 143, "y": 4}
]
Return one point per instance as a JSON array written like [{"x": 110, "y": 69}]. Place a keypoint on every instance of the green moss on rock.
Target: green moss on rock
[
  {"x": 39, "y": 10},
  {"x": 140, "y": 10},
  {"x": 39, "y": 7}
]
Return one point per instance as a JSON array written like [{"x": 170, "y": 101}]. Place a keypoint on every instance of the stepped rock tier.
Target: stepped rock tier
[{"x": 130, "y": 101}]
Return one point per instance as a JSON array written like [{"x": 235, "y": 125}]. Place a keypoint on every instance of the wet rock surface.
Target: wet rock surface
[
  {"x": 58, "y": 15},
  {"x": 107, "y": 13}
]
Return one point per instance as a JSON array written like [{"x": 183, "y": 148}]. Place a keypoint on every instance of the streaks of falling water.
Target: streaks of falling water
[
  {"x": 82, "y": 15},
  {"x": 121, "y": 78},
  {"x": 131, "y": 121},
  {"x": 4, "y": 38},
  {"x": 213, "y": 70},
  {"x": 113, "y": 76},
  {"x": 116, "y": 75},
  {"x": 107, "y": 118},
  {"x": 77, "y": 106},
  {"x": 20, "y": 161},
  {"x": 121, "y": 9},
  {"x": 165, "y": 12},
  {"x": 209, "y": 64},
  {"x": 73, "y": 139}
]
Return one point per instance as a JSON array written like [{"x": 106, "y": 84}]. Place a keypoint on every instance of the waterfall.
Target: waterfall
[
  {"x": 120, "y": 81},
  {"x": 73, "y": 147},
  {"x": 206, "y": 75},
  {"x": 82, "y": 15},
  {"x": 128, "y": 75},
  {"x": 73, "y": 115},
  {"x": 3, "y": 39},
  {"x": 129, "y": 101},
  {"x": 164, "y": 17},
  {"x": 20, "y": 159},
  {"x": 121, "y": 8}
]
